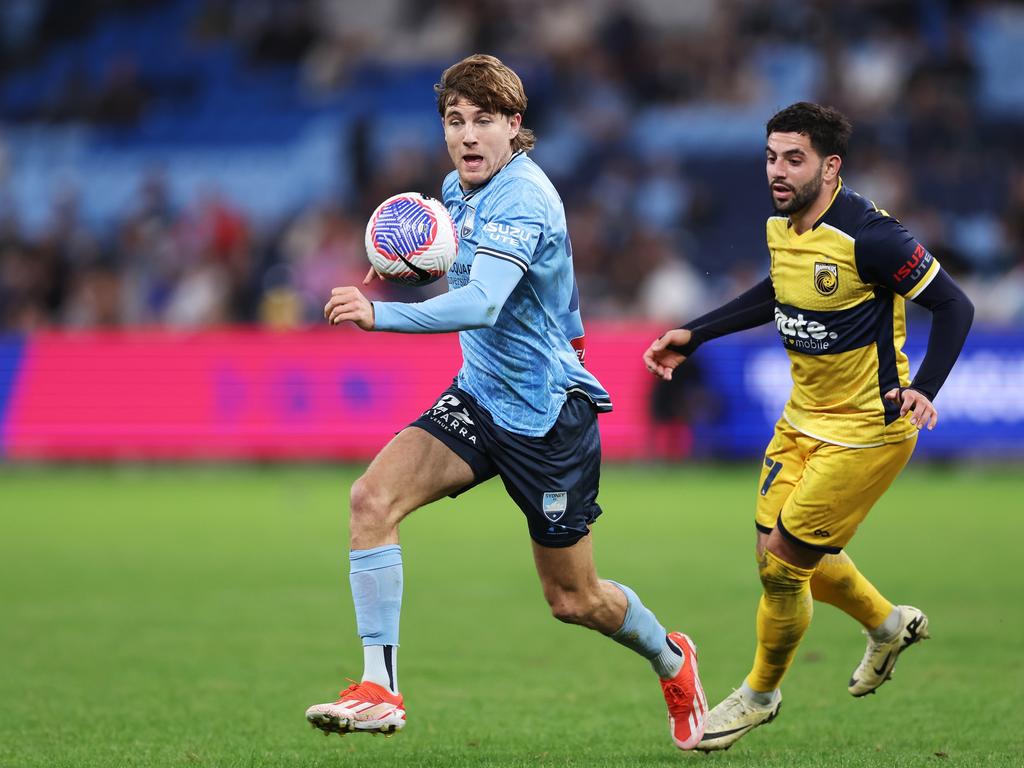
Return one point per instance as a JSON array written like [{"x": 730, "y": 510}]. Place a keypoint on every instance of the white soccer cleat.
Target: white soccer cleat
[
  {"x": 732, "y": 718},
  {"x": 360, "y": 707},
  {"x": 880, "y": 657}
]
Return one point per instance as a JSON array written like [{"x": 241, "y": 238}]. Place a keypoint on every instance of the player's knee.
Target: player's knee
[
  {"x": 781, "y": 578},
  {"x": 368, "y": 506}
]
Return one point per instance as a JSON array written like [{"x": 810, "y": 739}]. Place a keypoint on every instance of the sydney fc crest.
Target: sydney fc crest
[
  {"x": 555, "y": 504},
  {"x": 467, "y": 223},
  {"x": 826, "y": 277}
]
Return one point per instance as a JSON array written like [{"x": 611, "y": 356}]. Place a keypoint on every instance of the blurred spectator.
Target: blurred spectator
[
  {"x": 5, "y": 170},
  {"x": 322, "y": 247},
  {"x": 676, "y": 408},
  {"x": 94, "y": 298},
  {"x": 672, "y": 290},
  {"x": 149, "y": 252},
  {"x": 283, "y": 35},
  {"x": 121, "y": 98},
  {"x": 1004, "y": 291}
]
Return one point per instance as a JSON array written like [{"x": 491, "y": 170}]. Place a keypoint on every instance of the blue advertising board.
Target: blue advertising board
[{"x": 981, "y": 405}]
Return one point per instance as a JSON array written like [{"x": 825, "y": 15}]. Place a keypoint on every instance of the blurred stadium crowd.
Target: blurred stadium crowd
[{"x": 143, "y": 178}]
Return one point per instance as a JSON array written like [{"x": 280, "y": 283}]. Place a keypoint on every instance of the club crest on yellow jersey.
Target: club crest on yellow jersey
[{"x": 826, "y": 277}]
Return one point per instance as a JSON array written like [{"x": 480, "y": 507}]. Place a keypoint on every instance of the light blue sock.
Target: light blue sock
[
  {"x": 376, "y": 579},
  {"x": 642, "y": 632}
]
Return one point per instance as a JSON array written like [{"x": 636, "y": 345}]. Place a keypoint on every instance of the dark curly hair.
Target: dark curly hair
[{"x": 828, "y": 129}]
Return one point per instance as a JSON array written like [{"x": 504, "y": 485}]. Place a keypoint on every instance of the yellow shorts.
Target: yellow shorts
[{"x": 818, "y": 492}]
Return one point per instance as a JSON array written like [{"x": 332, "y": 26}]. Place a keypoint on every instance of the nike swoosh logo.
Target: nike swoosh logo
[
  {"x": 720, "y": 734},
  {"x": 912, "y": 626},
  {"x": 420, "y": 272},
  {"x": 881, "y": 670}
]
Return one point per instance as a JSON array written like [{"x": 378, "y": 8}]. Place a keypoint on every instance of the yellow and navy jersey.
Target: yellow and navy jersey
[{"x": 839, "y": 309}]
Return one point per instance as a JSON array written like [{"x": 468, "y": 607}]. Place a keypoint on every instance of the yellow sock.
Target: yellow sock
[
  {"x": 837, "y": 581},
  {"x": 782, "y": 618}
]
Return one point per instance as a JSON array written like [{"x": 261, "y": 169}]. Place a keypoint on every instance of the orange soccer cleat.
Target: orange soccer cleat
[
  {"x": 687, "y": 706},
  {"x": 362, "y": 706}
]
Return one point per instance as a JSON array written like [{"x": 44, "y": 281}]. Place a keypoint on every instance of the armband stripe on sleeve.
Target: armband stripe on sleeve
[
  {"x": 932, "y": 272},
  {"x": 519, "y": 262}
]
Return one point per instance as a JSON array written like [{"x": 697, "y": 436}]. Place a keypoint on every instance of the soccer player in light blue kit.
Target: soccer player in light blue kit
[{"x": 523, "y": 408}]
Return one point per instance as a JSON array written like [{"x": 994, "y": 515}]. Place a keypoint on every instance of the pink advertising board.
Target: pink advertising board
[{"x": 252, "y": 394}]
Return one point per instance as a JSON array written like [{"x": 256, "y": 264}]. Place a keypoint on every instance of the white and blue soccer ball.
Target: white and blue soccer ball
[{"x": 411, "y": 239}]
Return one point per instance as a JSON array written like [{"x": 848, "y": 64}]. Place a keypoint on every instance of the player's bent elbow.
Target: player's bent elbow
[
  {"x": 485, "y": 306},
  {"x": 963, "y": 305},
  {"x": 968, "y": 310},
  {"x": 485, "y": 316},
  {"x": 490, "y": 317}
]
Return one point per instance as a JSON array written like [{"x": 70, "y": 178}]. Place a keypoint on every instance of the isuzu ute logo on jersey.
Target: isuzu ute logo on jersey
[
  {"x": 802, "y": 333},
  {"x": 826, "y": 277},
  {"x": 915, "y": 266},
  {"x": 506, "y": 233}
]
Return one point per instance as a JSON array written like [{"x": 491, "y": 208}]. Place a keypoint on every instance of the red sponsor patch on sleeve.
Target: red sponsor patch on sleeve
[
  {"x": 580, "y": 345},
  {"x": 910, "y": 265}
]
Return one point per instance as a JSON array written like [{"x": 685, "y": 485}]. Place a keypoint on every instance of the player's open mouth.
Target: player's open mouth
[
  {"x": 781, "y": 190},
  {"x": 473, "y": 162}
]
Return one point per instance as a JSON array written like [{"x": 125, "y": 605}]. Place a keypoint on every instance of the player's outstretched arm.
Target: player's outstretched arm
[
  {"x": 748, "y": 310},
  {"x": 477, "y": 304}
]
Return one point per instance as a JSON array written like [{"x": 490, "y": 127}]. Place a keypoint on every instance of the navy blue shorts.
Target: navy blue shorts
[{"x": 553, "y": 479}]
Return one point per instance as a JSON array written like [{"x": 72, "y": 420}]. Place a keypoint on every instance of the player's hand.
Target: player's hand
[
  {"x": 912, "y": 400},
  {"x": 659, "y": 359},
  {"x": 369, "y": 276},
  {"x": 347, "y": 304}
]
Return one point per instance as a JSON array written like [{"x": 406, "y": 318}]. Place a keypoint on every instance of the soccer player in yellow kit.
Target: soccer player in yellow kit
[{"x": 841, "y": 270}]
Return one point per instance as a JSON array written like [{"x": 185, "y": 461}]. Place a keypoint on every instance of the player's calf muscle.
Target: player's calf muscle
[{"x": 595, "y": 607}]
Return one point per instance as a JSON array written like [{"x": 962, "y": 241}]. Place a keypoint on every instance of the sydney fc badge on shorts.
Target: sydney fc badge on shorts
[
  {"x": 826, "y": 277},
  {"x": 555, "y": 503}
]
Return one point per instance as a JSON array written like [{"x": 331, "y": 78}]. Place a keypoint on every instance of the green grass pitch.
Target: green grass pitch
[{"x": 187, "y": 617}]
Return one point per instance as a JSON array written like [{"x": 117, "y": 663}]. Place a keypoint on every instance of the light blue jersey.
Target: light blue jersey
[{"x": 513, "y": 297}]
